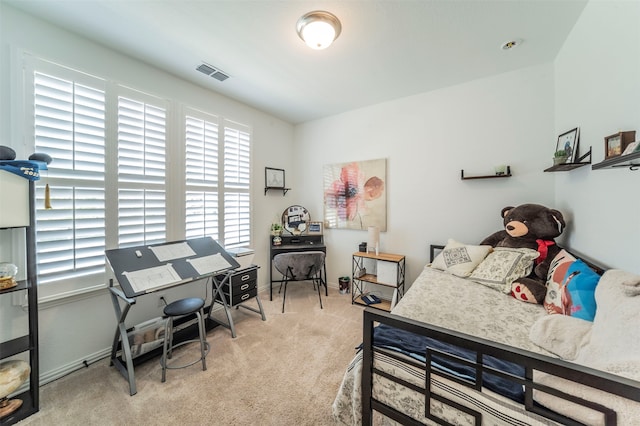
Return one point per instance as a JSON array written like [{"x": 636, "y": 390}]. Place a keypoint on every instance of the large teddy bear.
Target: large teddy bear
[{"x": 530, "y": 226}]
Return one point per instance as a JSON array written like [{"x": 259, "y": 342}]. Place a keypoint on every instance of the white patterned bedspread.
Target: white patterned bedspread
[{"x": 441, "y": 299}]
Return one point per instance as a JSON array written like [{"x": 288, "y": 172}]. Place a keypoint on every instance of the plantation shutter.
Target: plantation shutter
[
  {"x": 141, "y": 173},
  {"x": 69, "y": 125},
  {"x": 237, "y": 178},
  {"x": 201, "y": 170}
]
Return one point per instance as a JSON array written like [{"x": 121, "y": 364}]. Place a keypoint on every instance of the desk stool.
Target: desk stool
[{"x": 182, "y": 307}]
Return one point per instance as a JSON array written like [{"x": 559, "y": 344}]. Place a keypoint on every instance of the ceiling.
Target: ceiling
[{"x": 387, "y": 49}]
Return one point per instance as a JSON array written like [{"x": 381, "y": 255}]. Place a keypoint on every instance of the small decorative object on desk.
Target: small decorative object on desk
[
  {"x": 8, "y": 272},
  {"x": 276, "y": 229},
  {"x": 500, "y": 170},
  {"x": 277, "y": 240}
]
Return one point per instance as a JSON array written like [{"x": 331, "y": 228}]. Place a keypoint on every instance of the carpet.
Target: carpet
[{"x": 282, "y": 371}]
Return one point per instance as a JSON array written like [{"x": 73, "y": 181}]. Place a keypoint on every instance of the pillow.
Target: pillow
[
  {"x": 503, "y": 266},
  {"x": 555, "y": 277},
  {"x": 577, "y": 293},
  {"x": 460, "y": 259}
]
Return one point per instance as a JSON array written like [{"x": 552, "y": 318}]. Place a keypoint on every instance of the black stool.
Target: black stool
[{"x": 182, "y": 307}]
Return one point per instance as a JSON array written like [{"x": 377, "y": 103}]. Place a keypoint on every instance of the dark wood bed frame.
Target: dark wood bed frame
[{"x": 607, "y": 382}]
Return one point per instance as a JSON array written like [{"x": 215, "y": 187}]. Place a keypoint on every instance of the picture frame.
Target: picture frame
[
  {"x": 315, "y": 228},
  {"x": 568, "y": 141},
  {"x": 616, "y": 144},
  {"x": 274, "y": 178},
  {"x": 612, "y": 146}
]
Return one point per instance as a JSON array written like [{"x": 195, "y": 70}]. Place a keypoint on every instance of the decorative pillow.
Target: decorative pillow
[
  {"x": 555, "y": 277},
  {"x": 577, "y": 293},
  {"x": 503, "y": 266},
  {"x": 460, "y": 259}
]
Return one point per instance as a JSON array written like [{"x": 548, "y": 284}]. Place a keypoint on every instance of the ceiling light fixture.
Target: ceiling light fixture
[{"x": 318, "y": 29}]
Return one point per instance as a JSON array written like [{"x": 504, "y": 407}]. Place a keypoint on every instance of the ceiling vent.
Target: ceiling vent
[{"x": 212, "y": 72}]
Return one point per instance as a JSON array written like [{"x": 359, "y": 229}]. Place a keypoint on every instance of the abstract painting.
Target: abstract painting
[{"x": 355, "y": 195}]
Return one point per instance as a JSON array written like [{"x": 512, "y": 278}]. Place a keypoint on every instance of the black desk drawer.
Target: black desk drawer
[
  {"x": 242, "y": 286},
  {"x": 244, "y": 276},
  {"x": 238, "y": 298}
]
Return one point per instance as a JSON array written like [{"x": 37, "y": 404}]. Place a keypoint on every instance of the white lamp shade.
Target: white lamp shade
[{"x": 373, "y": 241}]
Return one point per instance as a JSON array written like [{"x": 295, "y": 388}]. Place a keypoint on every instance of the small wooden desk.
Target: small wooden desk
[{"x": 293, "y": 243}]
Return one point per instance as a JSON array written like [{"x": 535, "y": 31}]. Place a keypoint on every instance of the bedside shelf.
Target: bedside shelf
[
  {"x": 570, "y": 166},
  {"x": 506, "y": 175},
  {"x": 632, "y": 161}
]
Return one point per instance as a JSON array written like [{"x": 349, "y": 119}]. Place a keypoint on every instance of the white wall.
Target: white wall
[
  {"x": 427, "y": 139},
  {"x": 597, "y": 77},
  {"x": 83, "y": 329}
]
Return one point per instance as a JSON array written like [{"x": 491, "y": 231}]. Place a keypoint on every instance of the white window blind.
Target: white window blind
[
  {"x": 218, "y": 177},
  {"x": 237, "y": 179},
  {"x": 69, "y": 125},
  {"x": 141, "y": 173},
  {"x": 109, "y": 176},
  {"x": 201, "y": 174}
]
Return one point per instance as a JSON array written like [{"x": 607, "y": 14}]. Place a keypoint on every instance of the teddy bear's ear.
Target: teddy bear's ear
[
  {"x": 557, "y": 216},
  {"x": 505, "y": 211}
]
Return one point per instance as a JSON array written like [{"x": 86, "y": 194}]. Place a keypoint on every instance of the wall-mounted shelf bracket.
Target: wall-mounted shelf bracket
[
  {"x": 570, "y": 166},
  {"x": 269, "y": 188},
  {"x": 505, "y": 175}
]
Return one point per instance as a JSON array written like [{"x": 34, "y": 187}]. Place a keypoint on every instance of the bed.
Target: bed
[{"x": 494, "y": 360}]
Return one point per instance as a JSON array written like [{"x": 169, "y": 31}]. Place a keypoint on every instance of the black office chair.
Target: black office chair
[{"x": 300, "y": 266}]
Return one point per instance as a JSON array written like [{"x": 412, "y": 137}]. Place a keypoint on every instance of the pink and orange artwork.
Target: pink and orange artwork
[{"x": 355, "y": 195}]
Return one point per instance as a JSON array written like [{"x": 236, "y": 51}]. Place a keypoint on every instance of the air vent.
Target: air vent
[{"x": 212, "y": 72}]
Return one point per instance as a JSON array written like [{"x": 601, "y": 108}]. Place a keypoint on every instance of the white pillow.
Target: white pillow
[
  {"x": 503, "y": 266},
  {"x": 460, "y": 259}
]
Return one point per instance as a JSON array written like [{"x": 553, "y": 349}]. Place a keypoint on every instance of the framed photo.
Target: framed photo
[
  {"x": 568, "y": 142},
  {"x": 315, "y": 228},
  {"x": 273, "y": 178},
  {"x": 617, "y": 143}
]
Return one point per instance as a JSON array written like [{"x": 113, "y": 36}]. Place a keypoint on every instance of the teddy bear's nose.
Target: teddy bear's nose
[{"x": 510, "y": 227}]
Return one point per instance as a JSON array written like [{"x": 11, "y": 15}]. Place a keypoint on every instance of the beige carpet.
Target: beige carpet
[{"x": 283, "y": 371}]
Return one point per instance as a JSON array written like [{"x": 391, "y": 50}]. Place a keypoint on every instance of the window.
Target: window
[
  {"x": 207, "y": 195},
  {"x": 141, "y": 173},
  {"x": 111, "y": 185},
  {"x": 69, "y": 125}
]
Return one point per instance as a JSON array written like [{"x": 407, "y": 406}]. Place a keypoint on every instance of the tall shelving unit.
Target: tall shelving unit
[{"x": 27, "y": 343}]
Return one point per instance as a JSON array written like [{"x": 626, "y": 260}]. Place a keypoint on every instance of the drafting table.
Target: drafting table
[{"x": 146, "y": 269}]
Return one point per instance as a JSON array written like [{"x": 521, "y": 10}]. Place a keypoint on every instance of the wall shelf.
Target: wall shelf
[
  {"x": 632, "y": 161},
  {"x": 25, "y": 343},
  {"x": 565, "y": 167},
  {"x": 275, "y": 188},
  {"x": 506, "y": 175}
]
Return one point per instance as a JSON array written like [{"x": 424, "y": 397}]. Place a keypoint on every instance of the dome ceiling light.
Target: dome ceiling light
[{"x": 318, "y": 29}]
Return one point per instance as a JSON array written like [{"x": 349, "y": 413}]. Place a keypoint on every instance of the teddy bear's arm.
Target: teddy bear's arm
[{"x": 494, "y": 238}]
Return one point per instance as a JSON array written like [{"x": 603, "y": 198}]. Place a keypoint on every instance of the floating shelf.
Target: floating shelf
[
  {"x": 632, "y": 161},
  {"x": 506, "y": 175},
  {"x": 570, "y": 166},
  {"x": 275, "y": 188}
]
